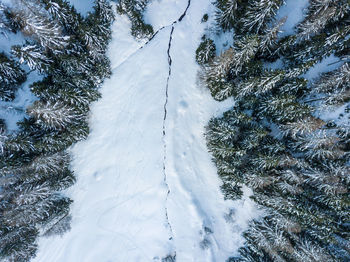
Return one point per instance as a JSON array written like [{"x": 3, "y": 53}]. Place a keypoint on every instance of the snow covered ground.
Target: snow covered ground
[
  {"x": 294, "y": 11},
  {"x": 14, "y": 111},
  {"x": 146, "y": 185},
  {"x": 83, "y": 6}
]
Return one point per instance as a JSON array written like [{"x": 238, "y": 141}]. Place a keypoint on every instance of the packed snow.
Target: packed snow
[{"x": 146, "y": 186}]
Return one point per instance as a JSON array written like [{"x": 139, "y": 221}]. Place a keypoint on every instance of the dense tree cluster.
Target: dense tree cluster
[
  {"x": 206, "y": 51},
  {"x": 274, "y": 140},
  {"x": 69, "y": 51}
]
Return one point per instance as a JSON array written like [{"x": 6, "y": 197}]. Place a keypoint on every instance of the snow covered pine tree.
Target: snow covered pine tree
[{"x": 134, "y": 10}]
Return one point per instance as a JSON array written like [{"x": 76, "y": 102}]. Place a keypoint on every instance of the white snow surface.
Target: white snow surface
[
  {"x": 294, "y": 11},
  {"x": 83, "y": 6},
  {"x": 142, "y": 195},
  {"x": 327, "y": 64}
]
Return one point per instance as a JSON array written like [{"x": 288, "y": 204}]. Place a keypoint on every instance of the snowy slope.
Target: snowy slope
[{"x": 146, "y": 185}]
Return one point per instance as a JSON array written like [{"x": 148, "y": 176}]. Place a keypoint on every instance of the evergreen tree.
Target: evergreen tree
[
  {"x": 18, "y": 243},
  {"x": 258, "y": 14},
  {"x": 60, "y": 227},
  {"x": 206, "y": 51},
  {"x": 322, "y": 33},
  {"x": 320, "y": 13},
  {"x": 11, "y": 77},
  {"x": 227, "y": 13},
  {"x": 53, "y": 114},
  {"x": 5, "y": 22},
  {"x": 64, "y": 14},
  {"x": 134, "y": 10},
  {"x": 333, "y": 87},
  {"x": 268, "y": 41},
  {"x": 36, "y": 23},
  {"x": 33, "y": 56}
]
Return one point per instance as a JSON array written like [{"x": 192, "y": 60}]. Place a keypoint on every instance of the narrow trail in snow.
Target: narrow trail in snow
[
  {"x": 164, "y": 141},
  {"x": 185, "y": 12},
  {"x": 147, "y": 189},
  {"x": 172, "y": 24},
  {"x": 159, "y": 30},
  {"x": 173, "y": 255}
]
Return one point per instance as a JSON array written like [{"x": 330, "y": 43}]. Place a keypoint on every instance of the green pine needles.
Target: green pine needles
[
  {"x": 69, "y": 52},
  {"x": 282, "y": 138},
  {"x": 11, "y": 77}
]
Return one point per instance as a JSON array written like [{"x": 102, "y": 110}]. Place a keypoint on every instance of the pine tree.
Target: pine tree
[
  {"x": 64, "y": 14},
  {"x": 53, "y": 114},
  {"x": 320, "y": 13},
  {"x": 333, "y": 87},
  {"x": 216, "y": 73},
  {"x": 33, "y": 56},
  {"x": 282, "y": 108},
  {"x": 18, "y": 244},
  {"x": 301, "y": 127},
  {"x": 227, "y": 13},
  {"x": 245, "y": 50},
  {"x": 258, "y": 14},
  {"x": 5, "y": 22},
  {"x": 268, "y": 41},
  {"x": 60, "y": 227},
  {"x": 37, "y": 24},
  {"x": 11, "y": 77},
  {"x": 78, "y": 95},
  {"x": 322, "y": 33},
  {"x": 224, "y": 74},
  {"x": 134, "y": 10},
  {"x": 206, "y": 51}
]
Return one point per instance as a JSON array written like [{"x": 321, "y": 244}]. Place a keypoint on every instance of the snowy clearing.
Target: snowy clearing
[
  {"x": 146, "y": 185},
  {"x": 14, "y": 111}
]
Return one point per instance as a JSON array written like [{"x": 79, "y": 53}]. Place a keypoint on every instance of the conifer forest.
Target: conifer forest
[{"x": 175, "y": 130}]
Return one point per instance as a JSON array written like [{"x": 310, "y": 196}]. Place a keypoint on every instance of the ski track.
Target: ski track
[{"x": 146, "y": 186}]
